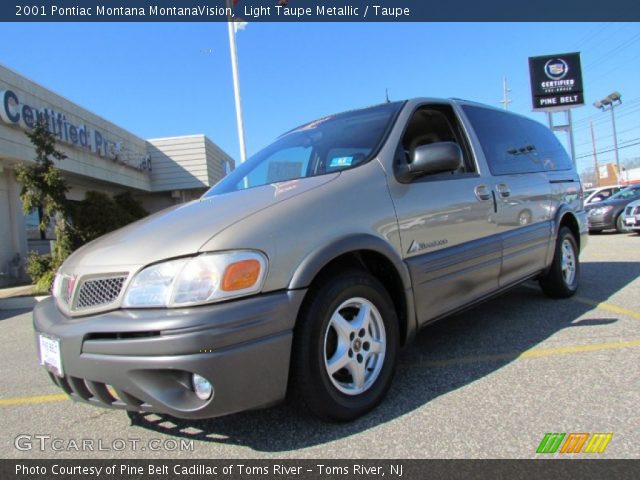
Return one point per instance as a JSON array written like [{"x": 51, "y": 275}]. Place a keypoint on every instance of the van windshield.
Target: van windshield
[
  {"x": 629, "y": 192},
  {"x": 327, "y": 145}
]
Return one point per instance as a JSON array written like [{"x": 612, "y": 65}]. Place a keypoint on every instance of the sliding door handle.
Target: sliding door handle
[
  {"x": 482, "y": 193},
  {"x": 503, "y": 190}
]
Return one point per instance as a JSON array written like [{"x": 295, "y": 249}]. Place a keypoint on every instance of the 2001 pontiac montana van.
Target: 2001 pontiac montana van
[{"x": 312, "y": 263}]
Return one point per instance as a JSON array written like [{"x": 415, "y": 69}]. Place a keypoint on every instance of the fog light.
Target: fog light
[{"x": 202, "y": 387}]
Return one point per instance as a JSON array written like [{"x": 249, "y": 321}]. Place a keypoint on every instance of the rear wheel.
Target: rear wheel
[
  {"x": 561, "y": 281},
  {"x": 345, "y": 347},
  {"x": 524, "y": 218}
]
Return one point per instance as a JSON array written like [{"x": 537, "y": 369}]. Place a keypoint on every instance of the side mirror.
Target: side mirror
[{"x": 429, "y": 159}]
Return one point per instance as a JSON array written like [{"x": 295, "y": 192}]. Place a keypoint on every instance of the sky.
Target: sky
[{"x": 168, "y": 79}]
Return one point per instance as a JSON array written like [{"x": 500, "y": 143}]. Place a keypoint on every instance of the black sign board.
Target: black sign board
[{"x": 556, "y": 81}]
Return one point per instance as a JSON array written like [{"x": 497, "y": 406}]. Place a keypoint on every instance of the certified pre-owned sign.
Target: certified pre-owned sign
[{"x": 556, "y": 81}]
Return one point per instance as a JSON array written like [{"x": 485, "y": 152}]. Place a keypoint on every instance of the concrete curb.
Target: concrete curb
[{"x": 19, "y": 303}]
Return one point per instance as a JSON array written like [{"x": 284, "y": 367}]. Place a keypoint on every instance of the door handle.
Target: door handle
[
  {"x": 482, "y": 193},
  {"x": 503, "y": 190}
]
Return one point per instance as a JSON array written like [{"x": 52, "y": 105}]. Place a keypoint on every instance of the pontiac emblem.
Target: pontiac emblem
[{"x": 70, "y": 284}]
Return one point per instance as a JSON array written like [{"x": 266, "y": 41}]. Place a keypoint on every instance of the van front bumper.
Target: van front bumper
[{"x": 143, "y": 360}]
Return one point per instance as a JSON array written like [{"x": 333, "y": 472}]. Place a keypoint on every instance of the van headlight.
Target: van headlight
[{"x": 196, "y": 280}]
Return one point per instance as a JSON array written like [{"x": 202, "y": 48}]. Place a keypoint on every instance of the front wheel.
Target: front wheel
[
  {"x": 345, "y": 347},
  {"x": 561, "y": 281}
]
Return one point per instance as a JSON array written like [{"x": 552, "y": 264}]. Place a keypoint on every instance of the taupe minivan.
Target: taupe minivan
[{"x": 310, "y": 265}]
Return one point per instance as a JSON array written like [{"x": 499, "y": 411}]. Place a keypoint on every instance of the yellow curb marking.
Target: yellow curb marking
[
  {"x": 533, "y": 353},
  {"x": 604, "y": 306},
  {"x": 9, "y": 402},
  {"x": 607, "y": 306}
]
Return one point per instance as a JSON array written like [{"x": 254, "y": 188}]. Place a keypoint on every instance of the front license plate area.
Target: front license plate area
[{"x": 50, "y": 354}]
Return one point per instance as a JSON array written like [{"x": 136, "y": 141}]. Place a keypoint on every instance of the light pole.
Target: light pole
[
  {"x": 609, "y": 103},
  {"x": 505, "y": 94},
  {"x": 231, "y": 26},
  {"x": 595, "y": 153}
]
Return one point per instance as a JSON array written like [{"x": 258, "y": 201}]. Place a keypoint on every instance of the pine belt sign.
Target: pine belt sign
[{"x": 556, "y": 81}]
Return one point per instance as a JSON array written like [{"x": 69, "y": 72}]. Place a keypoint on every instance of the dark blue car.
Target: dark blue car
[{"x": 607, "y": 215}]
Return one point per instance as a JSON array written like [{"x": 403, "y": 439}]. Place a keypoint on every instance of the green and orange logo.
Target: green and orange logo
[{"x": 573, "y": 442}]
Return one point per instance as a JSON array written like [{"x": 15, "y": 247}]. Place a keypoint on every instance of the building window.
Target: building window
[{"x": 32, "y": 221}]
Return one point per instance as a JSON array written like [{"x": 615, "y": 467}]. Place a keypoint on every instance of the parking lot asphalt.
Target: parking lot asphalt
[{"x": 486, "y": 383}]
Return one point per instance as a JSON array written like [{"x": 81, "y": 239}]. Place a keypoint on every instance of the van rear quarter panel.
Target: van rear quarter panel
[{"x": 567, "y": 199}]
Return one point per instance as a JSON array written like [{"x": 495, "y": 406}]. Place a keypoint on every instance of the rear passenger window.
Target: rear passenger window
[
  {"x": 513, "y": 144},
  {"x": 548, "y": 148}
]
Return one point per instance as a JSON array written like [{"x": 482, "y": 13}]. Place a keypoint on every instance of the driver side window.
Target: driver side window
[{"x": 432, "y": 124}]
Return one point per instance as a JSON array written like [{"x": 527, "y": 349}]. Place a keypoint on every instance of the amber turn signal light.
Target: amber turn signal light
[{"x": 241, "y": 275}]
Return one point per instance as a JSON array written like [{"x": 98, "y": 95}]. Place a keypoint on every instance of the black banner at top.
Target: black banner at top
[{"x": 315, "y": 10}]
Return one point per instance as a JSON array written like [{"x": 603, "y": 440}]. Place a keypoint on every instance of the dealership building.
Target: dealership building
[{"x": 101, "y": 156}]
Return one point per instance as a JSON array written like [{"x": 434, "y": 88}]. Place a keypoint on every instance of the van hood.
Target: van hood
[{"x": 183, "y": 229}]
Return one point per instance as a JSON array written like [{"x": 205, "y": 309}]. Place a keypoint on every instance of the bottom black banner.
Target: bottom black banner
[{"x": 319, "y": 469}]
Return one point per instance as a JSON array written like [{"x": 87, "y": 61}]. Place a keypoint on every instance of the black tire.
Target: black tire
[
  {"x": 316, "y": 341},
  {"x": 620, "y": 226},
  {"x": 557, "y": 282}
]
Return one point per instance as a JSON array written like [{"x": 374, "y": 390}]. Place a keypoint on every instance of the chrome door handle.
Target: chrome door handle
[
  {"x": 503, "y": 190},
  {"x": 482, "y": 193}
]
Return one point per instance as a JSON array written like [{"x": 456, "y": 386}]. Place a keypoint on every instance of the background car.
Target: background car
[
  {"x": 631, "y": 216},
  {"x": 518, "y": 212},
  {"x": 598, "y": 194},
  {"x": 607, "y": 214}
]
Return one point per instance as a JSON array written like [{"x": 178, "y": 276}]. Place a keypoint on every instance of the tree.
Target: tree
[
  {"x": 44, "y": 189},
  {"x": 42, "y": 184}
]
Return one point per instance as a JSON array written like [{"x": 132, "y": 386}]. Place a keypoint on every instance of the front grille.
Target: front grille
[
  {"x": 98, "y": 393},
  {"x": 632, "y": 210},
  {"x": 100, "y": 291}
]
